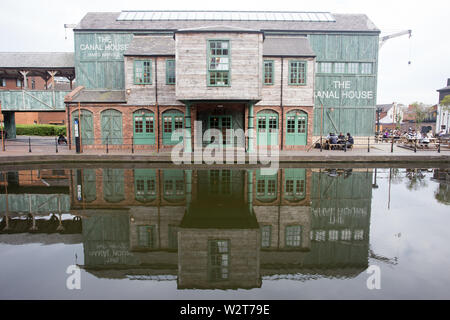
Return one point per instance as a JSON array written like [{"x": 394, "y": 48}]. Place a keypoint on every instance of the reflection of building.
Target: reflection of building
[
  {"x": 443, "y": 112},
  {"x": 442, "y": 194},
  {"x": 222, "y": 228}
]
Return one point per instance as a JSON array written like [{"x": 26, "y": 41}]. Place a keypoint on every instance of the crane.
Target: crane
[{"x": 394, "y": 35}]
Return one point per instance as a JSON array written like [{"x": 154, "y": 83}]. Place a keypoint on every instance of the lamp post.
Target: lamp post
[{"x": 378, "y": 119}]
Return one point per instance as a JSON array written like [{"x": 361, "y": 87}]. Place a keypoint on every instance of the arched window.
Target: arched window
[
  {"x": 266, "y": 187},
  {"x": 267, "y": 128},
  {"x": 145, "y": 184},
  {"x": 144, "y": 127},
  {"x": 294, "y": 184},
  {"x": 296, "y": 128},
  {"x": 111, "y": 124},
  {"x": 86, "y": 126},
  {"x": 173, "y": 185},
  {"x": 172, "y": 120}
]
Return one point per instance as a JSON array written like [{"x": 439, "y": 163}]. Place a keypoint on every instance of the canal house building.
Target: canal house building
[{"x": 290, "y": 76}]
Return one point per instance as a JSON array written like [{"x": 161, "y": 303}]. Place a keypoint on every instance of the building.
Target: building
[
  {"x": 291, "y": 76},
  {"x": 442, "y": 117}
]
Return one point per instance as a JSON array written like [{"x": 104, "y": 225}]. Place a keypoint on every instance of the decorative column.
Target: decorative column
[
  {"x": 251, "y": 147},
  {"x": 188, "y": 130},
  {"x": 25, "y": 81}
]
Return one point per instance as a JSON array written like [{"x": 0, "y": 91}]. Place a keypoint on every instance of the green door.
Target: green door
[
  {"x": 111, "y": 122},
  {"x": 266, "y": 187},
  {"x": 173, "y": 185},
  {"x": 145, "y": 184},
  {"x": 144, "y": 127},
  {"x": 172, "y": 120},
  {"x": 87, "y": 127},
  {"x": 267, "y": 128},
  {"x": 113, "y": 185},
  {"x": 296, "y": 128},
  {"x": 294, "y": 184},
  {"x": 222, "y": 123},
  {"x": 220, "y": 182}
]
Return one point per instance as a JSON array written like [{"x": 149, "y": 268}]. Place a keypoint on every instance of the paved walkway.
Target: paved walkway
[{"x": 43, "y": 149}]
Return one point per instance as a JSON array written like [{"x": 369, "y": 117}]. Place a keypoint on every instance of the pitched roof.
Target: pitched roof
[
  {"x": 218, "y": 28},
  {"x": 287, "y": 47},
  {"x": 447, "y": 88},
  {"x": 109, "y": 21},
  {"x": 99, "y": 96},
  {"x": 151, "y": 46},
  {"x": 37, "y": 60}
]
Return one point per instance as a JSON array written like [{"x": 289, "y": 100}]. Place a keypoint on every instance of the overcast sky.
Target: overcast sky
[{"x": 38, "y": 25}]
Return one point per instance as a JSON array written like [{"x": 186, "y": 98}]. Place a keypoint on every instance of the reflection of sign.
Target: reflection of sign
[
  {"x": 76, "y": 128},
  {"x": 342, "y": 89},
  {"x": 79, "y": 192}
]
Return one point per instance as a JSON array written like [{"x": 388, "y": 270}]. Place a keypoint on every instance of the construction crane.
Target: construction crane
[{"x": 395, "y": 35}]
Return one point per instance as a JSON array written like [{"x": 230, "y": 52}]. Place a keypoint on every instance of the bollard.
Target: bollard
[
  {"x": 132, "y": 145},
  {"x": 415, "y": 145},
  {"x": 368, "y": 144},
  {"x": 56, "y": 145},
  {"x": 392, "y": 145},
  {"x": 29, "y": 144},
  {"x": 439, "y": 146},
  {"x": 106, "y": 145}
]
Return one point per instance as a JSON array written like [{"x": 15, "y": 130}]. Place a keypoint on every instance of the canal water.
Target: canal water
[{"x": 295, "y": 233}]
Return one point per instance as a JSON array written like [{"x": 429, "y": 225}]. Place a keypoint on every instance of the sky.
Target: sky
[{"x": 38, "y": 25}]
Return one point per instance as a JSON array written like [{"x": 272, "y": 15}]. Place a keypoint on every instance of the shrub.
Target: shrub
[{"x": 40, "y": 130}]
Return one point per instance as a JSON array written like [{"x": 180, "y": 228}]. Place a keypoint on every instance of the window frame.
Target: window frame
[
  {"x": 362, "y": 64},
  {"x": 272, "y": 71},
  {"x": 208, "y": 63},
  {"x": 168, "y": 82},
  {"x": 142, "y": 62},
  {"x": 305, "y": 64}
]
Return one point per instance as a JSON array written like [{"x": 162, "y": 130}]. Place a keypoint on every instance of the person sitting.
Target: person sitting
[
  {"x": 350, "y": 141},
  {"x": 341, "y": 136},
  {"x": 333, "y": 140},
  {"x": 62, "y": 139}
]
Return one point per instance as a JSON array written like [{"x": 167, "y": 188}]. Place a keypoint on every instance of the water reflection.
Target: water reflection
[{"x": 208, "y": 229}]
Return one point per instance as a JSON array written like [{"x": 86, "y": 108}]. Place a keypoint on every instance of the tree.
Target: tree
[{"x": 420, "y": 113}]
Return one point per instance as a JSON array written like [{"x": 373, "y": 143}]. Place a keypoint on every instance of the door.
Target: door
[
  {"x": 86, "y": 127},
  {"x": 266, "y": 187},
  {"x": 145, "y": 184},
  {"x": 173, "y": 185},
  {"x": 111, "y": 126},
  {"x": 222, "y": 123},
  {"x": 144, "y": 127},
  {"x": 296, "y": 128},
  {"x": 172, "y": 120},
  {"x": 267, "y": 128},
  {"x": 294, "y": 184}
]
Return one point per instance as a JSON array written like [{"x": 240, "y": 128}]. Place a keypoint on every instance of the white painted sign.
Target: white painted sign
[{"x": 342, "y": 89}]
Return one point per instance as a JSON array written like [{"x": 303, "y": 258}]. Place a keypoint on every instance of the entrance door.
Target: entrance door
[
  {"x": 221, "y": 123},
  {"x": 144, "y": 127},
  {"x": 296, "y": 128},
  {"x": 267, "y": 128}
]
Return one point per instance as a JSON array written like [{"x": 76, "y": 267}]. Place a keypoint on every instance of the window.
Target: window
[
  {"x": 352, "y": 68},
  {"x": 297, "y": 72},
  {"x": 266, "y": 232},
  {"x": 333, "y": 235},
  {"x": 170, "y": 71},
  {"x": 346, "y": 235},
  {"x": 366, "y": 68},
  {"x": 33, "y": 84},
  {"x": 358, "y": 235},
  {"x": 326, "y": 67},
  {"x": 339, "y": 67},
  {"x": 18, "y": 83},
  {"x": 320, "y": 235},
  {"x": 268, "y": 71},
  {"x": 218, "y": 259},
  {"x": 2, "y": 82},
  {"x": 218, "y": 63},
  {"x": 293, "y": 236},
  {"x": 146, "y": 236},
  {"x": 143, "y": 72}
]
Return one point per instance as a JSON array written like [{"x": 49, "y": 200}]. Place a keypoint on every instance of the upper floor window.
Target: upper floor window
[
  {"x": 218, "y": 63},
  {"x": 143, "y": 72},
  {"x": 268, "y": 71},
  {"x": 339, "y": 67},
  {"x": 352, "y": 67},
  {"x": 325, "y": 67},
  {"x": 366, "y": 68},
  {"x": 33, "y": 84},
  {"x": 18, "y": 83},
  {"x": 297, "y": 72},
  {"x": 2, "y": 82},
  {"x": 170, "y": 71}
]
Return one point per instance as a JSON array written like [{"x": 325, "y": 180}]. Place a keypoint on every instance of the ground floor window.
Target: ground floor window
[
  {"x": 218, "y": 259},
  {"x": 146, "y": 236},
  {"x": 296, "y": 128},
  {"x": 144, "y": 127},
  {"x": 172, "y": 121},
  {"x": 293, "y": 236},
  {"x": 111, "y": 126}
]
